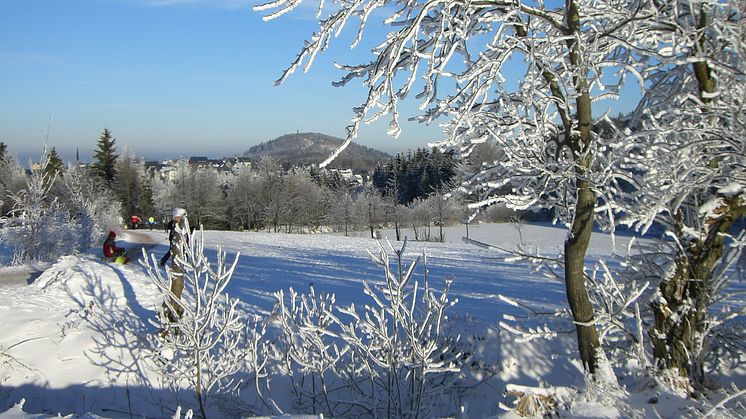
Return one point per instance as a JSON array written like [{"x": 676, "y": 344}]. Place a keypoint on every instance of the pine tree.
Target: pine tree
[
  {"x": 127, "y": 185},
  {"x": 105, "y": 157},
  {"x": 3, "y": 147},
  {"x": 147, "y": 204},
  {"x": 380, "y": 176},
  {"x": 415, "y": 175},
  {"x": 55, "y": 165}
]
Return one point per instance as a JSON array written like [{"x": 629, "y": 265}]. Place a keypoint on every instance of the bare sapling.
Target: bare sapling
[
  {"x": 395, "y": 357},
  {"x": 206, "y": 347}
]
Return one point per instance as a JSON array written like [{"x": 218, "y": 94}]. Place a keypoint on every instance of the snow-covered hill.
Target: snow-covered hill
[{"x": 307, "y": 148}]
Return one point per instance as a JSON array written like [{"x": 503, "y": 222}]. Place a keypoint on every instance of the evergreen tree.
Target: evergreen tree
[
  {"x": 147, "y": 203},
  {"x": 335, "y": 181},
  {"x": 3, "y": 147},
  {"x": 128, "y": 184},
  {"x": 105, "y": 157},
  {"x": 55, "y": 165},
  {"x": 380, "y": 177},
  {"x": 415, "y": 175}
]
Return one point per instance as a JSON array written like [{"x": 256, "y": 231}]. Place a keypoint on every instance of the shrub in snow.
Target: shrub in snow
[
  {"x": 12, "y": 179},
  {"x": 93, "y": 208},
  {"x": 59, "y": 216},
  {"x": 619, "y": 319},
  {"x": 395, "y": 357},
  {"x": 45, "y": 231},
  {"x": 306, "y": 350},
  {"x": 207, "y": 348}
]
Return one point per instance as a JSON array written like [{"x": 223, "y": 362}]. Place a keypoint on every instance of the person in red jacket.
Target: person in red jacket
[{"x": 111, "y": 251}]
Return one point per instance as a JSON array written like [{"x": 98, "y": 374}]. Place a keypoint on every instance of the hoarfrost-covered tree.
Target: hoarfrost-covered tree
[
  {"x": 175, "y": 191},
  {"x": 93, "y": 208},
  {"x": 207, "y": 193},
  {"x": 523, "y": 75},
  {"x": 369, "y": 209},
  {"x": 444, "y": 211},
  {"x": 243, "y": 190},
  {"x": 341, "y": 214},
  {"x": 303, "y": 200},
  {"x": 418, "y": 217},
  {"x": 393, "y": 211},
  {"x": 688, "y": 142},
  {"x": 46, "y": 231},
  {"x": 270, "y": 175},
  {"x": 12, "y": 180}
]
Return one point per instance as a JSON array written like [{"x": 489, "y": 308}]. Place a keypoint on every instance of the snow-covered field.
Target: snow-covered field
[{"x": 74, "y": 340}]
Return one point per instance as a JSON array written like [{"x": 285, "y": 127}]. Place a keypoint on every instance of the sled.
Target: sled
[{"x": 122, "y": 259}]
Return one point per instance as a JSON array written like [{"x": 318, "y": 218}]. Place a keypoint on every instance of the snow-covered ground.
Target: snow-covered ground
[{"x": 74, "y": 340}]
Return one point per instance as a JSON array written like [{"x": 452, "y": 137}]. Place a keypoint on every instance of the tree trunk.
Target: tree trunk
[
  {"x": 198, "y": 386},
  {"x": 576, "y": 244},
  {"x": 674, "y": 321},
  {"x": 370, "y": 218},
  {"x": 680, "y": 327},
  {"x": 577, "y": 294}
]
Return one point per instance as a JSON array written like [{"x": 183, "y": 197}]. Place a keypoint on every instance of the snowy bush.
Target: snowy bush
[
  {"x": 94, "y": 210},
  {"x": 619, "y": 320},
  {"x": 55, "y": 216},
  {"x": 45, "y": 231},
  {"x": 12, "y": 179},
  {"x": 306, "y": 351},
  {"x": 395, "y": 357},
  {"x": 209, "y": 348}
]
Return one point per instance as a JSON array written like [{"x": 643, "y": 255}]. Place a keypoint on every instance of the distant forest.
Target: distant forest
[{"x": 415, "y": 175}]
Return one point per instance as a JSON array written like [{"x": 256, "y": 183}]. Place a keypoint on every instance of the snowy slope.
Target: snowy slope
[
  {"x": 66, "y": 337},
  {"x": 73, "y": 341}
]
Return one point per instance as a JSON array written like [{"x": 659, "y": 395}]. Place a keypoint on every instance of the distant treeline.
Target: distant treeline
[{"x": 415, "y": 175}]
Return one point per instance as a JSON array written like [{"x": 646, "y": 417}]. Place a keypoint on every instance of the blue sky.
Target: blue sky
[
  {"x": 174, "y": 78},
  {"x": 169, "y": 78}
]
